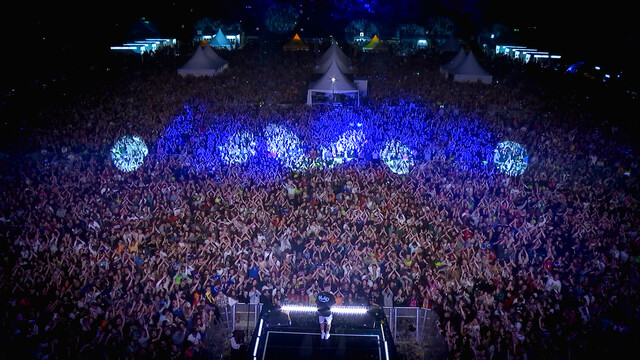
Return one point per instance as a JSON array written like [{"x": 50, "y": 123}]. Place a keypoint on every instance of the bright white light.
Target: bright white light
[
  {"x": 335, "y": 309},
  {"x": 333, "y": 79},
  {"x": 128, "y": 153},
  {"x": 386, "y": 349},
  {"x": 349, "y": 310},
  {"x": 255, "y": 348},
  {"x": 260, "y": 328}
]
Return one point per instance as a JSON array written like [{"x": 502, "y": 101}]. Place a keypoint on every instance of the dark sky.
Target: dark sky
[{"x": 45, "y": 34}]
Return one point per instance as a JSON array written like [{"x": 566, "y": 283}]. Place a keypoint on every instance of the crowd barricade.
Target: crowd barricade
[{"x": 406, "y": 323}]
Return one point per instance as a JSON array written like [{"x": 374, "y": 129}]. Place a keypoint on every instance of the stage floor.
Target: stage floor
[{"x": 308, "y": 345}]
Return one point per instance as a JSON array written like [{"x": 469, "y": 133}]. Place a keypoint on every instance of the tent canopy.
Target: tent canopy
[
  {"x": 204, "y": 62},
  {"x": 333, "y": 51},
  {"x": 333, "y": 56},
  {"x": 295, "y": 44},
  {"x": 333, "y": 81},
  {"x": 375, "y": 45},
  {"x": 217, "y": 61},
  {"x": 454, "y": 63},
  {"x": 470, "y": 70},
  {"x": 372, "y": 43},
  {"x": 221, "y": 41}
]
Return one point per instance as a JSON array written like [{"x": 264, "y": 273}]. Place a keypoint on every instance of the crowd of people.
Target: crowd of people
[{"x": 98, "y": 263}]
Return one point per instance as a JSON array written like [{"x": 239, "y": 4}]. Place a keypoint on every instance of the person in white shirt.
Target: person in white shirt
[
  {"x": 254, "y": 296},
  {"x": 553, "y": 283}
]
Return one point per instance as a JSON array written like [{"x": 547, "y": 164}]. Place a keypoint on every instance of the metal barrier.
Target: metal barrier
[{"x": 406, "y": 323}]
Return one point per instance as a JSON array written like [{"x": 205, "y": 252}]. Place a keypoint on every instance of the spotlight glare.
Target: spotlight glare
[
  {"x": 511, "y": 158},
  {"x": 349, "y": 310},
  {"x": 128, "y": 153},
  {"x": 397, "y": 156},
  {"x": 238, "y": 148}
]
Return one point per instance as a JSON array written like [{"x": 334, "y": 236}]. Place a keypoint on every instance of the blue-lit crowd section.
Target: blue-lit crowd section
[{"x": 402, "y": 137}]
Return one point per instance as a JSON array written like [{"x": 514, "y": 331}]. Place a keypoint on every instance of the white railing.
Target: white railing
[{"x": 404, "y": 322}]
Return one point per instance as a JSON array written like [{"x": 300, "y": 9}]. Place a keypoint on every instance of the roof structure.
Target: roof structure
[
  {"x": 221, "y": 41},
  {"x": 203, "y": 63},
  {"x": 470, "y": 70},
  {"x": 296, "y": 44}
]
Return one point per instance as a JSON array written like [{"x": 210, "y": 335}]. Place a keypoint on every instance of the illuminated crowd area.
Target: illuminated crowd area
[{"x": 149, "y": 201}]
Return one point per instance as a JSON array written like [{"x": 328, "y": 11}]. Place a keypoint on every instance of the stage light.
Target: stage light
[
  {"x": 128, "y": 153},
  {"x": 350, "y": 310},
  {"x": 510, "y": 158},
  {"x": 283, "y": 144},
  {"x": 345, "y": 149},
  {"x": 397, "y": 156},
  {"x": 238, "y": 148},
  {"x": 255, "y": 348}
]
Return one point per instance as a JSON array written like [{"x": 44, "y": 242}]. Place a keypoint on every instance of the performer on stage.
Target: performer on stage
[{"x": 325, "y": 301}]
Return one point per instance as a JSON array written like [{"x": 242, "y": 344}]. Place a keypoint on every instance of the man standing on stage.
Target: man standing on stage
[{"x": 325, "y": 301}]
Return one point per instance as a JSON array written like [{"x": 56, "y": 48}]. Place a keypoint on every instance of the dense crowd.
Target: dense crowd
[{"x": 100, "y": 263}]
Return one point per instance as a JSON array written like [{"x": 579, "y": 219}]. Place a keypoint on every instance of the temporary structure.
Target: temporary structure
[
  {"x": 221, "y": 41},
  {"x": 296, "y": 44},
  {"x": 333, "y": 81},
  {"x": 343, "y": 63},
  {"x": 333, "y": 52},
  {"x": 470, "y": 70},
  {"x": 454, "y": 63},
  {"x": 375, "y": 45},
  {"x": 203, "y": 63},
  {"x": 213, "y": 55}
]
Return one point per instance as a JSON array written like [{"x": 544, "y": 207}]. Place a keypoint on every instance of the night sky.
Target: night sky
[{"x": 51, "y": 36}]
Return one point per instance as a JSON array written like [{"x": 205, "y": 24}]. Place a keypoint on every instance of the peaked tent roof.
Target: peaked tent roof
[
  {"x": 470, "y": 71},
  {"x": 296, "y": 44},
  {"x": 213, "y": 55},
  {"x": 455, "y": 62},
  {"x": 342, "y": 84},
  {"x": 333, "y": 50},
  {"x": 333, "y": 55},
  {"x": 375, "y": 45},
  {"x": 372, "y": 43},
  {"x": 220, "y": 40},
  {"x": 200, "y": 64}
]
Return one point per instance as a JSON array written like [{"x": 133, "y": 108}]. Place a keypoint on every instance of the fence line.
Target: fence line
[{"x": 405, "y": 323}]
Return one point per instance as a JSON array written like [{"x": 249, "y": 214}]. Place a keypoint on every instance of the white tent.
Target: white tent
[
  {"x": 470, "y": 71},
  {"x": 454, "y": 63},
  {"x": 334, "y": 52},
  {"x": 221, "y": 41},
  {"x": 333, "y": 82},
  {"x": 344, "y": 64},
  {"x": 201, "y": 64},
  {"x": 213, "y": 55}
]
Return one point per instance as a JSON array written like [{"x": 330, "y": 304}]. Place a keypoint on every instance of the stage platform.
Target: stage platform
[
  {"x": 289, "y": 335},
  {"x": 308, "y": 345}
]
